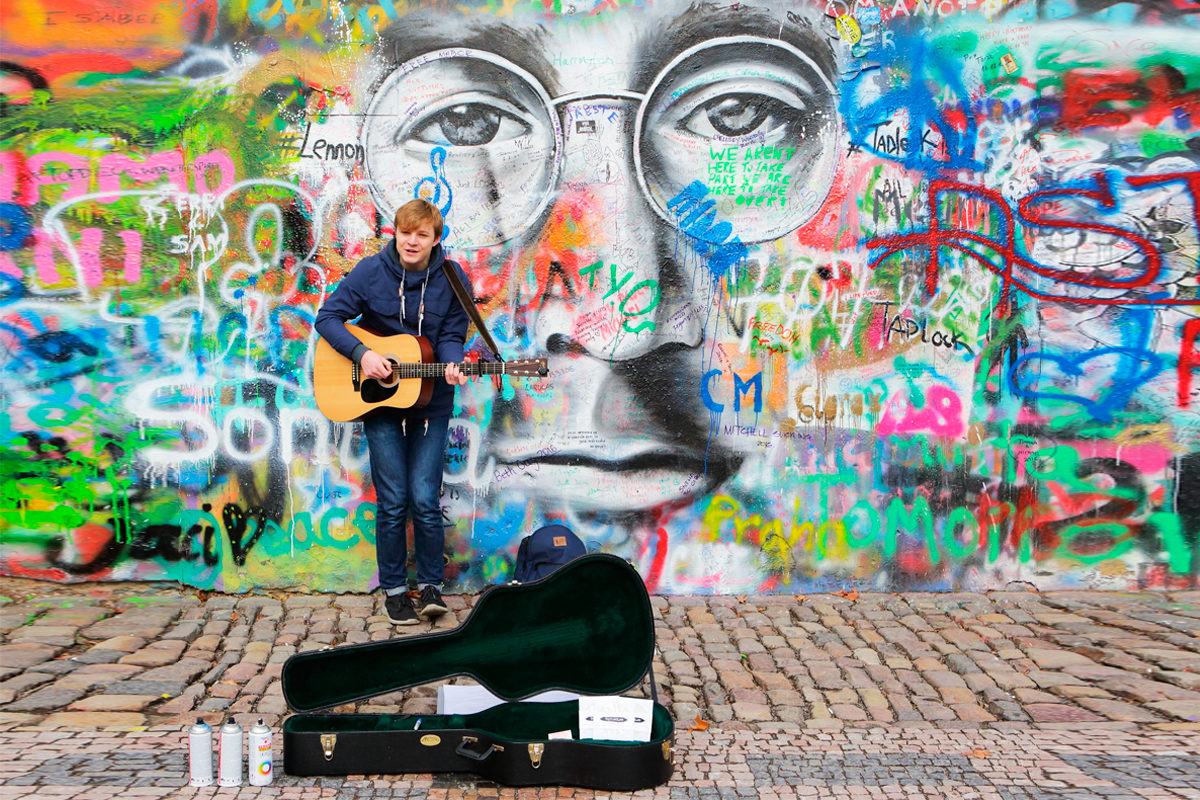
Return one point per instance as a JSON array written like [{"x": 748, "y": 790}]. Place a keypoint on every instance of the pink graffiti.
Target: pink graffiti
[
  {"x": 941, "y": 414},
  {"x": 21, "y": 180},
  {"x": 44, "y": 244},
  {"x": 90, "y": 244}
]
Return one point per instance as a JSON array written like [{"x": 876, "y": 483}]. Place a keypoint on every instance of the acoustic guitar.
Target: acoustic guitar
[{"x": 344, "y": 393}]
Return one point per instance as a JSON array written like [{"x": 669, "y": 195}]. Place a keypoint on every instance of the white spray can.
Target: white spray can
[
  {"x": 258, "y": 754},
  {"x": 229, "y": 768},
  {"x": 200, "y": 749}
]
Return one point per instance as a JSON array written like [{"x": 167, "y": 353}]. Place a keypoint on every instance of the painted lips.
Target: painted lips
[{"x": 586, "y": 483}]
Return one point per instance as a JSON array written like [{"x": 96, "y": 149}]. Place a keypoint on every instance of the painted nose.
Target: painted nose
[{"x": 621, "y": 296}]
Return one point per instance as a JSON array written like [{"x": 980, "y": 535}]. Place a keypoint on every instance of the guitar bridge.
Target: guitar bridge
[{"x": 355, "y": 377}]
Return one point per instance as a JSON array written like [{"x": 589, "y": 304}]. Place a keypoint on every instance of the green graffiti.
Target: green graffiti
[
  {"x": 1179, "y": 555},
  {"x": 1090, "y": 533}
]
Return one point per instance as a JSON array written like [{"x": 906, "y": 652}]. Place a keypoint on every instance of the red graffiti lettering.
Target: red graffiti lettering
[
  {"x": 1112, "y": 98},
  {"x": 1189, "y": 361},
  {"x": 951, "y": 235}
]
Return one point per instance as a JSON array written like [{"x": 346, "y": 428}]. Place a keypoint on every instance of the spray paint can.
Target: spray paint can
[
  {"x": 200, "y": 749},
  {"x": 229, "y": 768},
  {"x": 258, "y": 754}
]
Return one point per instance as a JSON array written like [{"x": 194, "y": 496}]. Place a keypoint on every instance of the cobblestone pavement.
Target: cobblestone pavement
[
  {"x": 1008, "y": 695},
  {"x": 881, "y": 763}
]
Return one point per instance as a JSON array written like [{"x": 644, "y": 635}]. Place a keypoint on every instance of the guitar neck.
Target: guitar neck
[{"x": 435, "y": 370}]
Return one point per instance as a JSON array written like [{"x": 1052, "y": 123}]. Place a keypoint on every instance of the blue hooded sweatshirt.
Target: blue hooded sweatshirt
[{"x": 371, "y": 294}]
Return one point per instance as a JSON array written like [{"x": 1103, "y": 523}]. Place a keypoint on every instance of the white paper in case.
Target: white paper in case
[{"x": 620, "y": 719}]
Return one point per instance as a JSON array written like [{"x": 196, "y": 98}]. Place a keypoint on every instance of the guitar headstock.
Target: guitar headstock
[{"x": 527, "y": 368}]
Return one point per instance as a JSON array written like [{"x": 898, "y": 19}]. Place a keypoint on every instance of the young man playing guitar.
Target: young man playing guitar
[{"x": 403, "y": 289}]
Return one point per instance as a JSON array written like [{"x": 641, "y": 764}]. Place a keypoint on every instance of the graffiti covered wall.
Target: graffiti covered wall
[{"x": 897, "y": 296}]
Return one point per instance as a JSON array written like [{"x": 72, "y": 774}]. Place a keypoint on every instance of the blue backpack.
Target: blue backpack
[{"x": 545, "y": 550}]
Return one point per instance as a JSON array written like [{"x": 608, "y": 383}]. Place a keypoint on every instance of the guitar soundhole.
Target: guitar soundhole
[
  {"x": 373, "y": 391},
  {"x": 393, "y": 381}
]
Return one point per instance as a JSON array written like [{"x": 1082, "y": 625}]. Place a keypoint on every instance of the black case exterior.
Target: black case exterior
[
  {"x": 370, "y": 752},
  {"x": 611, "y": 766},
  {"x": 589, "y": 630}
]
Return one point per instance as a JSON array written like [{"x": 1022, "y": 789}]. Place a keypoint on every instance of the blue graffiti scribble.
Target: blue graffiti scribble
[
  {"x": 1135, "y": 365},
  {"x": 697, "y": 218},
  {"x": 11, "y": 289},
  {"x": 913, "y": 145},
  {"x": 498, "y": 534},
  {"x": 431, "y": 188},
  {"x": 15, "y": 226}
]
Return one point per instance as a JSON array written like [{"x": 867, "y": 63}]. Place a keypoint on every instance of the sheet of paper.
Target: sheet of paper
[
  {"x": 471, "y": 698},
  {"x": 621, "y": 719}
]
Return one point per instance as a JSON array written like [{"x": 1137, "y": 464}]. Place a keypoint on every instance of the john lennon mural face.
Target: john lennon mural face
[{"x": 602, "y": 181}]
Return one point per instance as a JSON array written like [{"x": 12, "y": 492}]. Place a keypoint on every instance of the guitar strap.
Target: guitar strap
[{"x": 468, "y": 303}]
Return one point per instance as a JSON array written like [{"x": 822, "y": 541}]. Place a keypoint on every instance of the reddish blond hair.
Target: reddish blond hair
[{"x": 417, "y": 212}]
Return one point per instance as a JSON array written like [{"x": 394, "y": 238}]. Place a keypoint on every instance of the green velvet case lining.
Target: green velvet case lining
[
  {"x": 587, "y": 628},
  {"x": 520, "y": 722}
]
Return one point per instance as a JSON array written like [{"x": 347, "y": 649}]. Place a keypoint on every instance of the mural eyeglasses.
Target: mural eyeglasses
[{"x": 754, "y": 120}]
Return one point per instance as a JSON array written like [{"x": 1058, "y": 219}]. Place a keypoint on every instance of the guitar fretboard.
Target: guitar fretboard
[{"x": 432, "y": 370}]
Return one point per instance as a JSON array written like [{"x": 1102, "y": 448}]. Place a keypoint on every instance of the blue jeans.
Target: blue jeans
[{"x": 406, "y": 468}]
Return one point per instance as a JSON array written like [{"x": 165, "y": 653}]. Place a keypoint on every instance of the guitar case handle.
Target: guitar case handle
[{"x": 464, "y": 749}]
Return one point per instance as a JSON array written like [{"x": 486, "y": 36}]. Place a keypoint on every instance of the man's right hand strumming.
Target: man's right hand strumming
[{"x": 376, "y": 366}]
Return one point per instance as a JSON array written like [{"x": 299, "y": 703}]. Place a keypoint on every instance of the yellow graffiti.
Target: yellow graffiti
[{"x": 724, "y": 520}]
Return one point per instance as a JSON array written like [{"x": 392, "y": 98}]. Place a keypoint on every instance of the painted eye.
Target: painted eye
[
  {"x": 469, "y": 125},
  {"x": 738, "y": 114}
]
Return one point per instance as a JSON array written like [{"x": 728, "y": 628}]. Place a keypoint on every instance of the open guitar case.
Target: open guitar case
[{"x": 587, "y": 628}]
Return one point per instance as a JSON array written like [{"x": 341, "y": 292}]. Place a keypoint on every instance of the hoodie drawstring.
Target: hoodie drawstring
[{"x": 404, "y": 428}]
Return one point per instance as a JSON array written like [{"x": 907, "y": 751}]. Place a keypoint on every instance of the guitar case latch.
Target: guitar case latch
[{"x": 328, "y": 742}]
